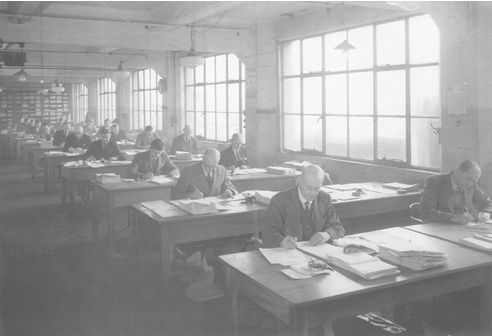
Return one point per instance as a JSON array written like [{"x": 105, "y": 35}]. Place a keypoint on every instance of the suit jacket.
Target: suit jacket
[
  {"x": 285, "y": 217},
  {"x": 121, "y": 136},
  {"x": 98, "y": 152},
  {"x": 229, "y": 159},
  {"x": 144, "y": 141},
  {"x": 91, "y": 130},
  {"x": 180, "y": 144},
  {"x": 437, "y": 202},
  {"x": 59, "y": 137},
  {"x": 142, "y": 165},
  {"x": 193, "y": 178},
  {"x": 72, "y": 141}
]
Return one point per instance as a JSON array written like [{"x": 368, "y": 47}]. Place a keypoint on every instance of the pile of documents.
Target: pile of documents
[
  {"x": 107, "y": 178},
  {"x": 280, "y": 170},
  {"x": 353, "y": 244},
  {"x": 183, "y": 155},
  {"x": 411, "y": 255},
  {"x": 161, "y": 180},
  {"x": 479, "y": 241},
  {"x": 362, "y": 264},
  {"x": 401, "y": 186},
  {"x": 163, "y": 209},
  {"x": 95, "y": 164},
  {"x": 197, "y": 207},
  {"x": 298, "y": 165},
  {"x": 264, "y": 196}
]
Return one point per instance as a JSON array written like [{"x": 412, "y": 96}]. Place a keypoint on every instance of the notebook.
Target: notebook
[{"x": 477, "y": 243}]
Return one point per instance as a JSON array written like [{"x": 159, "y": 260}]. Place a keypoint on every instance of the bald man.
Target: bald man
[
  {"x": 185, "y": 142},
  {"x": 204, "y": 179},
  {"x": 302, "y": 213},
  {"x": 455, "y": 196},
  {"x": 77, "y": 141},
  {"x": 234, "y": 156}
]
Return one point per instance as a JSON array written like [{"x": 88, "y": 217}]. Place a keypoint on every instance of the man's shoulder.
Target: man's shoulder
[
  {"x": 285, "y": 195},
  {"x": 192, "y": 170},
  {"x": 438, "y": 179}
]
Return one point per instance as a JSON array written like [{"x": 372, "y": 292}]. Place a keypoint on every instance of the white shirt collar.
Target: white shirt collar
[{"x": 303, "y": 200}]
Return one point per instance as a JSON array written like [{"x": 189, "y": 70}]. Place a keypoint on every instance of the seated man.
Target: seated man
[
  {"x": 233, "y": 156},
  {"x": 44, "y": 132},
  {"x": 117, "y": 134},
  {"x": 455, "y": 196},
  {"x": 145, "y": 139},
  {"x": 90, "y": 129},
  {"x": 302, "y": 213},
  {"x": 204, "y": 179},
  {"x": 185, "y": 142},
  {"x": 77, "y": 141},
  {"x": 107, "y": 125},
  {"x": 61, "y": 135},
  {"x": 153, "y": 162},
  {"x": 31, "y": 127},
  {"x": 104, "y": 149},
  {"x": 22, "y": 125}
]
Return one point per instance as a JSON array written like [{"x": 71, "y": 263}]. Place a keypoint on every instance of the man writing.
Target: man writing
[
  {"x": 185, "y": 142},
  {"x": 145, "y": 139},
  {"x": 455, "y": 196},
  {"x": 77, "y": 141},
  {"x": 302, "y": 213},
  {"x": 104, "y": 149},
  {"x": 153, "y": 162},
  {"x": 233, "y": 156}
]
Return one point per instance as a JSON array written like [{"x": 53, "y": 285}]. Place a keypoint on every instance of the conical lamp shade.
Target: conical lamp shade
[{"x": 21, "y": 75}]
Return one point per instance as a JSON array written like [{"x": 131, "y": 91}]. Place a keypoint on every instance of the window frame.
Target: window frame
[
  {"x": 144, "y": 106},
  {"x": 80, "y": 98},
  {"x": 106, "y": 99}
]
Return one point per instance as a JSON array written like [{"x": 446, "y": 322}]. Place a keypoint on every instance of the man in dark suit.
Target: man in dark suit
[
  {"x": 302, "y": 213},
  {"x": 104, "y": 149},
  {"x": 60, "y": 135},
  {"x": 117, "y": 134},
  {"x": 455, "y": 196},
  {"x": 77, "y": 141},
  {"x": 204, "y": 179},
  {"x": 153, "y": 162},
  {"x": 233, "y": 156},
  {"x": 145, "y": 139},
  {"x": 185, "y": 142}
]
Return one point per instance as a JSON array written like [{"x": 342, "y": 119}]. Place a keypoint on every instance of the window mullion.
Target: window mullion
[{"x": 407, "y": 95}]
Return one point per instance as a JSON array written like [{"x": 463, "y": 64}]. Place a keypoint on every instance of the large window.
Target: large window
[
  {"x": 215, "y": 97},
  {"x": 378, "y": 104},
  {"x": 80, "y": 101},
  {"x": 146, "y": 100},
  {"x": 106, "y": 100}
]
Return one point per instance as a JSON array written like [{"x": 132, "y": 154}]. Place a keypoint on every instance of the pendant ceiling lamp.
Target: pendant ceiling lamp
[
  {"x": 57, "y": 87},
  {"x": 345, "y": 47},
  {"x": 21, "y": 75},
  {"x": 120, "y": 73},
  {"x": 192, "y": 58}
]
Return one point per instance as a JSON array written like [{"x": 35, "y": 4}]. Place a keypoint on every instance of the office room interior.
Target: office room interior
[{"x": 379, "y": 96}]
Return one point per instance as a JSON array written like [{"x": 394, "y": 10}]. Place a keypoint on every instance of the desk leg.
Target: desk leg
[
  {"x": 299, "y": 323},
  {"x": 232, "y": 302},
  {"x": 34, "y": 166},
  {"x": 328, "y": 329},
  {"x": 111, "y": 224},
  {"x": 486, "y": 306},
  {"x": 166, "y": 255},
  {"x": 46, "y": 176}
]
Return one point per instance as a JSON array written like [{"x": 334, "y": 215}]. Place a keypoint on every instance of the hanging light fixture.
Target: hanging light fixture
[
  {"x": 2, "y": 88},
  {"x": 192, "y": 59},
  {"x": 21, "y": 75},
  {"x": 345, "y": 47},
  {"x": 120, "y": 74},
  {"x": 57, "y": 87},
  {"x": 44, "y": 90}
]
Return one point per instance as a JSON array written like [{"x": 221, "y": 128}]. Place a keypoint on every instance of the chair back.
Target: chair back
[{"x": 414, "y": 212}]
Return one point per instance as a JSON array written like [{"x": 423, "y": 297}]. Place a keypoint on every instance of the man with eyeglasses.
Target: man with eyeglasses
[
  {"x": 302, "y": 213},
  {"x": 77, "y": 141}
]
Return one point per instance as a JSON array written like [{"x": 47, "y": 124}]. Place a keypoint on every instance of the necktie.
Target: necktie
[
  {"x": 155, "y": 165},
  {"x": 306, "y": 207},
  {"x": 210, "y": 180}
]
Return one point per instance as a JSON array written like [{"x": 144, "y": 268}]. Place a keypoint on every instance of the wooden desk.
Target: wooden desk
[
  {"x": 73, "y": 175},
  {"x": 111, "y": 196},
  {"x": 35, "y": 155},
  {"x": 51, "y": 163},
  {"x": 264, "y": 181},
  {"x": 187, "y": 228},
  {"x": 18, "y": 142},
  {"x": 323, "y": 299},
  {"x": 26, "y": 149}
]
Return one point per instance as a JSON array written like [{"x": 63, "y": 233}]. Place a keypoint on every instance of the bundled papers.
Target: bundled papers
[
  {"x": 183, "y": 155},
  {"x": 285, "y": 257},
  {"x": 197, "y": 207},
  {"x": 72, "y": 164},
  {"x": 163, "y": 209},
  {"x": 280, "y": 170},
  {"x": 403, "y": 186},
  {"x": 264, "y": 196},
  {"x": 411, "y": 255},
  {"x": 95, "y": 164},
  {"x": 108, "y": 178},
  {"x": 353, "y": 244},
  {"x": 71, "y": 154},
  {"x": 304, "y": 271},
  {"x": 161, "y": 180},
  {"x": 298, "y": 165},
  {"x": 479, "y": 241},
  {"x": 342, "y": 187},
  {"x": 54, "y": 153}
]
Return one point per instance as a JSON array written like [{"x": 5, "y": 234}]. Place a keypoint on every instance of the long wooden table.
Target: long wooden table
[
  {"x": 51, "y": 164},
  {"x": 111, "y": 196},
  {"x": 26, "y": 149},
  {"x": 300, "y": 304},
  {"x": 35, "y": 155},
  {"x": 264, "y": 181}
]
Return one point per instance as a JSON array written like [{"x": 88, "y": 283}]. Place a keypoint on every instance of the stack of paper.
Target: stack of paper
[
  {"x": 298, "y": 165},
  {"x": 479, "y": 241},
  {"x": 21, "y": 134},
  {"x": 411, "y": 255},
  {"x": 342, "y": 187},
  {"x": 280, "y": 170},
  {"x": 162, "y": 180},
  {"x": 108, "y": 178},
  {"x": 163, "y": 209},
  {"x": 353, "y": 244},
  {"x": 183, "y": 155},
  {"x": 95, "y": 164},
  {"x": 54, "y": 153},
  {"x": 254, "y": 170},
  {"x": 396, "y": 186},
  {"x": 72, "y": 164},
  {"x": 197, "y": 207},
  {"x": 71, "y": 154},
  {"x": 264, "y": 196},
  {"x": 362, "y": 264}
]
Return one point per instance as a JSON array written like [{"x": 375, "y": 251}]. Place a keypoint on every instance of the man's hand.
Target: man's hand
[
  {"x": 227, "y": 194},
  {"x": 197, "y": 194},
  {"x": 464, "y": 218},
  {"x": 148, "y": 175},
  {"x": 71, "y": 150},
  {"x": 289, "y": 242},
  {"x": 174, "y": 175},
  {"x": 113, "y": 158},
  {"x": 483, "y": 217},
  {"x": 319, "y": 238},
  {"x": 91, "y": 158}
]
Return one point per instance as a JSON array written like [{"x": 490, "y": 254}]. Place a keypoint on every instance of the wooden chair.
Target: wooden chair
[{"x": 414, "y": 212}]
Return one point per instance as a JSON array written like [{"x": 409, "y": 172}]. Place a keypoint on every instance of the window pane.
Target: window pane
[
  {"x": 233, "y": 124},
  {"x": 336, "y": 136},
  {"x": 220, "y": 66},
  {"x": 292, "y": 95},
  {"x": 362, "y": 56},
  {"x": 232, "y": 67},
  {"x": 210, "y": 97},
  {"x": 210, "y": 125},
  {"x": 199, "y": 94},
  {"x": 292, "y": 132},
  {"x": 313, "y": 133},
  {"x": 141, "y": 79},
  {"x": 391, "y": 139},
  {"x": 312, "y": 99},
  {"x": 336, "y": 94},
  {"x": 390, "y": 40},
  {"x": 233, "y": 98},
  {"x": 426, "y": 151},
  {"x": 210, "y": 69},
  {"x": 361, "y": 138},
  {"x": 190, "y": 119},
  {"x": 153, "y": 100},
  {"x": 291, "y": 58},
  {"x": 222, "y": 126},
  {"x": 243, "y": 71},
  {"x": 311, "y": 55},
  {"x": 361, "y": 93},
  {"x": 148, "y": 120},
  {"x": 334, "y": 59},
  {"x": 424, "y": 91},
  {"x": 221, "y": 95},
  {"x": 391, "y": 93},
  {"x": 243, "y": 97},
  {"x": 199, "y": 74},
  {"x": 423, "y": 40},
  {"x": 159, "y": 120},
  {"x": 200, "y": 124}
]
